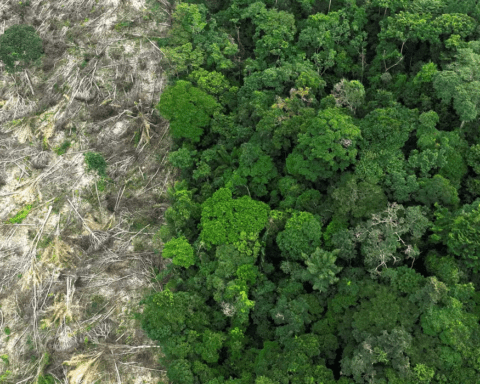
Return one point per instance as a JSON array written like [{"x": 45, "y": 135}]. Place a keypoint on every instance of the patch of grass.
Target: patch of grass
[
  {"x": 63, "y": 148},
  {"x": 96, "y": 162},
  {"x": 7, "y": 331},
  {"x": 18, "y": 218}
]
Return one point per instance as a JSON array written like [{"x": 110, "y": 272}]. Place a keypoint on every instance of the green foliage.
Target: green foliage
[
  {"x": 460, "y": 232},
  {"x": 302, "y": 234},
  {"x": 437, "y": 190},
  {"x": 189, "y": 110},
  {"x": 424, "y": 373},
  {"x": 46, "y": 379},
  {"x": 321, "y": 266},
  {"x": 387, "y": 128},
  {"x": 461, "y": 82},
  {"x": 182, "y": 158},
  {"x": 180, "y": 251},
  {"x": 473, "y": 158},
  {"x": 63, "y": 148},
  {"x": 328, "y": 145},
  {"x": 20, "y": 46},
  {"x": 224, "y": 218},
  {"x": 18, "y": 218},
  {"x": 5, "y": 359},
  {"x": 360, "y": 199},
  {"x": 256, "y": 170},
  {"x": 95, "y": 162},
  {"x": 292, "y": 115}
]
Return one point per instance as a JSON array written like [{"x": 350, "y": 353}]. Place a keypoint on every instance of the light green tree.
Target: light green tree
[{"x": 189, "y": 110}]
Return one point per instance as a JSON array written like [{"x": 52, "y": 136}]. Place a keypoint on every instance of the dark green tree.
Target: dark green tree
[
  {"x": 460, "y": 232},
  {"x": 20, "y": 46}
]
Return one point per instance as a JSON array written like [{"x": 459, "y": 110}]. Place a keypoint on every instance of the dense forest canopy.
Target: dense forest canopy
[{"x": 326, "y": 227}]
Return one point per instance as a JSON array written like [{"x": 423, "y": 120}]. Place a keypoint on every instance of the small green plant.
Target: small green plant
[
  {"x": 5, "y": 376},
  {"x": 101, "y": 185},
  {"x": 136, "y": 138},
  {"x": 5, "y": 359},
  {"x": 30, "y": 343},
  {"x": 45, "y": 145},
  {"x": 96, "y": 162},
  {"x": 20, "y": 46},
  {"x": 18, "y": 218},
  {"x": 123, "y": 24},
  {"x": 63, "y": 147},
  {"x": 7, "y": 330}
]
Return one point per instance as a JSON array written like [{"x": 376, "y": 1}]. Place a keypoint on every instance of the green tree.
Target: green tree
[
  {"x": 387, "y": 128},
  {"x": 20, "y": 46},
  {"x": 188, "y": 109},
  {"x": 223, "y": 218},
  {"x": 256, "y": 169},
  {"x": 437, "y": 190},
  {"x": 182, "y": 216},
  {"x": 473, "y": 158},
  {"x": 460, "y": 232},
  {"x": 461, "y": 81},
  {"x": 303, "y": 233},
  {"x": 329, "y": 144},
  {"x": 274, "y": 32},
  {"x": 180, "y": 251},
  {"x": 358, "y": 199},
  {"x": 331, "y": 40}
]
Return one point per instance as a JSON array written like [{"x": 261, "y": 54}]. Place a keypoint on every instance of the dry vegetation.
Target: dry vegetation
[{"x": 75, "y": 248}]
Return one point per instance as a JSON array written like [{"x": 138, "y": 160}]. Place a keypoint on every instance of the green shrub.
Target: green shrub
[
  {"x": 20, "y": 46},
  {"x": 63, "y": 148},
  {"x": 96, "y": 162},
  {"x": 47, "y": 379},
  {"x": 18, "y": 218}
]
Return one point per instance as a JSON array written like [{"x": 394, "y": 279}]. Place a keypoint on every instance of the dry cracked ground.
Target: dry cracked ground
[{"x": 76, "y": 251}]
